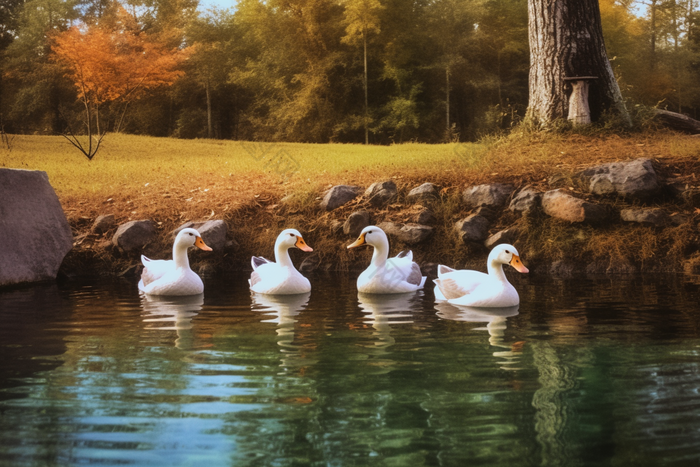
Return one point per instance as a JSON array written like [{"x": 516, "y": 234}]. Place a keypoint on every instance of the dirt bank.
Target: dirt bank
[{"x": 548, "y": 245}]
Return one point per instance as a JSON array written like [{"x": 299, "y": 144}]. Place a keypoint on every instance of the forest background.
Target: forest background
[{"x": 319, "y": 71}]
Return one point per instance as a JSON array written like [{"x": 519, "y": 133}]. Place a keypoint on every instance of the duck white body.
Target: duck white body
[
  {"x": 280, "y": 277},
  {"x": 387, "y": 275},
  {"x": 174, "y": 277},
  {"x": 474, "y": 288}
]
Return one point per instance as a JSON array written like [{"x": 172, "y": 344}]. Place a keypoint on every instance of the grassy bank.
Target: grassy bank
[{"x": 172, "y": 181}]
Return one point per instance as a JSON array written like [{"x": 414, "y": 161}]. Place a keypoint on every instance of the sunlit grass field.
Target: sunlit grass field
[
  {"x": 130, "y": 162},
  {"x": 166, "y": 177}
]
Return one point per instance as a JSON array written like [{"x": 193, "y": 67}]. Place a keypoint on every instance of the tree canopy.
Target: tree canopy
[
  {"x": 380, "y": 71},
  {"x": 112, "y": 62}
]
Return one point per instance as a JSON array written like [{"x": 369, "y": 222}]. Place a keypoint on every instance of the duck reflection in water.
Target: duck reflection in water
[
  {"x": 284, "y": 310},
  {"x": 496, "y": 324},
  {"x": 172, "y": 314},
  {"x": 384, "y": 310}
]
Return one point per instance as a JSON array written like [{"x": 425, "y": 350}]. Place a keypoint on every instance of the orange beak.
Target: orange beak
[
  {"x": 301, "y": 244},
  {"x": 359, "y": 242},
  {"x": 518, "y": 265},
  {"x": 199, "y": 243}
]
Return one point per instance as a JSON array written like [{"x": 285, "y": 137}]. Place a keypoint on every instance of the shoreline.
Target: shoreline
[
  {"x": 172, "y": 182},
  {"x": 548, "y": 245}
]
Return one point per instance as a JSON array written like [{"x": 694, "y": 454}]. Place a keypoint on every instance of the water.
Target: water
[{"x": 585, "y": 372}]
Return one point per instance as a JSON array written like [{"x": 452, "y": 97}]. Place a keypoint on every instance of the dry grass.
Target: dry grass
[{"x": 172, "y": 181}]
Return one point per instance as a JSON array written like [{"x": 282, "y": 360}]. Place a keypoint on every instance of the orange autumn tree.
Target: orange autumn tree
[{"x": 118, "y": 66}]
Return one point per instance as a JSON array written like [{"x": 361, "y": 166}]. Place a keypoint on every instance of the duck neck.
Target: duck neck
[
  {"x": 282, "y": 255},
  {"x": 180, "y": 256},
  {"x": 381, "y": 254},
  {"x": 496, "y": 270}
]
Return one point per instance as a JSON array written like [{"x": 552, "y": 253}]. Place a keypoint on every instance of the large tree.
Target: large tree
[
  {"x": 108, "y": 65},
  {"x": 566, "y": 41}
]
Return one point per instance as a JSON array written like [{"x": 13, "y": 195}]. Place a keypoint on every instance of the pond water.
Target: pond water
[{"x": 584, "y": 372}]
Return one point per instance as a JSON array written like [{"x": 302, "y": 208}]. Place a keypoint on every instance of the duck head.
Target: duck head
[
  {"x": 507, "y": 254},
  {"x": 187, "y": 238},
  {"x": 371, "y": 235},
  {"x": 291, "y": 238}
]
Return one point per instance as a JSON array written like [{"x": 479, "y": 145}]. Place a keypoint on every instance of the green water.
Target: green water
[{"x": 585, "y": 372}]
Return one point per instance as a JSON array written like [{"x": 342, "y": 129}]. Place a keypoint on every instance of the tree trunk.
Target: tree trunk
[
  {"x": 364, "y": 43},
  {"x": 678, "y": 122},
  {"x": 652, "y": 26},
  {"x": 210, "y": 127},
  {"x": 566, "y": 41},
  {"x": 447, "y": 100}
]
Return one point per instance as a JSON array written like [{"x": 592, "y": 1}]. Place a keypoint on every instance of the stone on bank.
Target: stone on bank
[
  {"x": 35, "y": 232},
  {"x": 561, "y": 205},
  {"x": 633, "y": 179},
  {"x": 338, "y": 196},
  {"x": 134, "y": 235}
]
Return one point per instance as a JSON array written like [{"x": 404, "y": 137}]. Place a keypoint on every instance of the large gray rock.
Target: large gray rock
[
  {"x": 474, "y": 228},
  {"x": 339, "y": 195},
  {"x": 381, "y": 193},
  {"x": 213, "y": 232},
  {"x": 525, "y": 201},
  {"x": 635, "y": 179},
  {"x": 494, "y": 195},
  {"x": 561, "y": 205},
  {"x": 134, "y": 235},
  {"x": 409, "y": 234},
  {"x": 656, "y": 217},
  {"x": 34, "y": 230},
  {"x": 357, "y": 221},
  {"x": 425, "y": 193}
]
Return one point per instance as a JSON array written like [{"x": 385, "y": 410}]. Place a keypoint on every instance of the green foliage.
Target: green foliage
[
  {"x": 361, "y": 18},
  {"x": 9, "y": 16},
  {"x": 34, "y": 88},
  {"x": 192, "y": 123},
  {"x": 294, "y": 70},
  {"x": 401, "y": 113}
]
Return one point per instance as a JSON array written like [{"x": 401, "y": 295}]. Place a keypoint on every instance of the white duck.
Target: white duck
[
  {"x": 280, "y": 276},
  {"x": 174, "y": 277},
  {"x": 474, "y": 288},
  {"x": 387, "y": 275}
]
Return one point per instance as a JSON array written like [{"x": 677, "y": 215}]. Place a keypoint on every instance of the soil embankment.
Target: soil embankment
[{"x": 606, "y": 226}]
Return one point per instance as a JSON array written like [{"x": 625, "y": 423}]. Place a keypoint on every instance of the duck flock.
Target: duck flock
[{"x": 385, "y": 275}]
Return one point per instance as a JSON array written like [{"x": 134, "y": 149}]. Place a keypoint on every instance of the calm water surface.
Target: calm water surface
[{"x": 585, "y": 372}]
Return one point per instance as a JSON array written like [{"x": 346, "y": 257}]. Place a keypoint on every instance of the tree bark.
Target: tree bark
[
  {"x": 652, "y": 26},
  {"x": 364, "y": 43},
  {"x": 566, "y": 40},
  {"x": 447, "y": 99},
  {"x": 210, "y": 127}
]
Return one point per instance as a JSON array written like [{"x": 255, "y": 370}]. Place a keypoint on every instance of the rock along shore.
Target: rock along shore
[{"x": 621, "y": 217}]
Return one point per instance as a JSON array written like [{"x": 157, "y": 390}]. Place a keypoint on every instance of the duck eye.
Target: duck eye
[
  {"x": 291, "y": 234},
  {"x": 190, "y": 234},
  {"x": 508, "y": 252}
]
